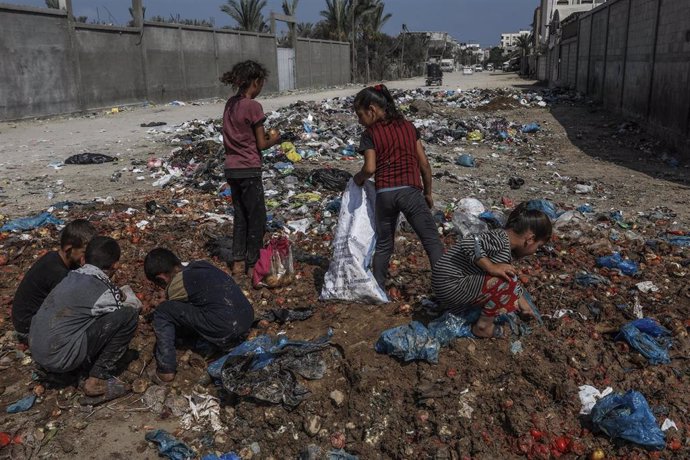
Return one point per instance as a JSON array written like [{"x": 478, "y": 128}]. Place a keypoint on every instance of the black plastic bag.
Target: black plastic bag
[
  {"x": 89, "y": 159},
  {"x": 331, "y": 179}
]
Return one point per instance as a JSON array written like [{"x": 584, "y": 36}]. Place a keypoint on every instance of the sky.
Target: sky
[{"x": 468, "y": 21}]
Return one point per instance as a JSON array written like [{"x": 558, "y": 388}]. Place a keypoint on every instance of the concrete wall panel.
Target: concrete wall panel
[
  {"x": 584, "y": 38},
  {"x": 164, "y": 64},
  {"x": 597, "y": 48},
  {"x": 36, "y": 68},
  {"x": 199, "y": 56},
  {"x": 615, "y": 54},
  {"x": 640, "y": 53},
  {"x": 111, "y": 67}
]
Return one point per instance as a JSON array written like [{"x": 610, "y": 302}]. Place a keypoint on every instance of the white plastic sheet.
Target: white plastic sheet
[{"x": 349, "y": 276}]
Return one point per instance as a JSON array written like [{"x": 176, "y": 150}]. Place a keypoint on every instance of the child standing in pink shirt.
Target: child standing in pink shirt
[{"x": 244, "y": 138}]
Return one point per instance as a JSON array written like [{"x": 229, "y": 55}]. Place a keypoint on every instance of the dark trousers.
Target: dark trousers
[
  {"x": 250, "y": 219},
  {"x": 107, "y": 339},
  {"x": 410, "y": 201},
  {"x": 222, "y": 326}
]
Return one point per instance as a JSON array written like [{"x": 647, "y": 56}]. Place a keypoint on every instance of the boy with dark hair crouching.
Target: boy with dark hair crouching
[
  {"x": 86, "y": 322},
  {"x": 201, "y": 299},
  {"x": 48, "y": 271}
]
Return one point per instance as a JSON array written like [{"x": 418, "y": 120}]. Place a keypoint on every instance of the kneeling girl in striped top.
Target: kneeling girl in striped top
[{"x": 477, "y": 273}]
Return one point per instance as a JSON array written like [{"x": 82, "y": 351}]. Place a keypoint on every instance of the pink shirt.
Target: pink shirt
[{"x": 240, "y": 117}]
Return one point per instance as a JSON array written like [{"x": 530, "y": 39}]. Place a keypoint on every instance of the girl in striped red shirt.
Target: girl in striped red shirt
[{"x": 394, "y": 154}]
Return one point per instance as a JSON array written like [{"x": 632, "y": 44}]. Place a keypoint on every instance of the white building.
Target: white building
[
  {"x": 552, "y": 12},
  {"x": 509, "y": 40}
]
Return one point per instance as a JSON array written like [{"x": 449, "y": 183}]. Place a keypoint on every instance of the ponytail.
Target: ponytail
[
  {"x": 378, "y": 95},
  {"x": 522, "y": 219}
]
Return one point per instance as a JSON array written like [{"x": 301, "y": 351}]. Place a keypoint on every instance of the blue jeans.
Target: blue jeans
[{"x": 410, "y": 201}]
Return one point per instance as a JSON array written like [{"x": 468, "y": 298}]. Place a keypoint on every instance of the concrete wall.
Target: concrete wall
[
  {"x": 321, "y": 63},
  {"x": 634, "y": 57},
  {"x": 50, "y": 65}
]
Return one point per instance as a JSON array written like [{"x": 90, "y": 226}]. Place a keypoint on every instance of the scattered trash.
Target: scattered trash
[
  {"x": 204, "y": 411},
  {"x": 668, "y": 424},
  {"x": 22, "y": 405},
  {"x": 29, "y": 223},
  {"x": 647, "y": 287},
  {"x": 331, "y": 179},
  {"x": 628, "y": 417},
  {"x": 544, "y": 206},
  {"x": 274, "y": 267},
  {"x": 616, "y": 261},
  {"x": 466, "y": 160},
  {"x": 226, "y": 456},
  {"x": 589, "y": 396},
  {"x": 265, "y": 369},
  {"x": 409, "y": 342},
  {"x": 169, "y": 446},
  {"x": 530, "y": 128},
  {"x": 647, "y": 337},
  {"x": 516, "y": 347},
  {"x": 153, "y": 124},
  {"x": 516, "y": 182},
  {"x": 89, "y": 159}
]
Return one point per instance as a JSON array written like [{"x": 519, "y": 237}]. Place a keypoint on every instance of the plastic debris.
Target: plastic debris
[
  {"x": 226, "y": 456},
  {"x": 89, "y": 159},
  {"x": 668, "y": 424},
  {"x": 22, "y": 405},
  {"x": 475, "y": 136},
  {"x": 340, "y": 454},
  {"x": 169, "y": 446},
  {"x": 589, "y": 396},
  {"x": 530, "y": 128},
  {"x": 331, "y": 179},
  {"x": 647, "y": 287},
  {"x": 628, "y": 417},
  {"x": 466, "y": 160},
  {"x": 28, "y": 223},
  {"x": 516, "y": 347},
  {"x": 589, "y": 279},
  {"x": 648, "y": 338},
  {"x": 544, "y": 206},
  {"x": 450, "y": 327},
  {"x": 616, "y": 261},
  {"x": 409, "y": 342},
  {"x": 265, "y": 368},
  {"x": 204, "y": 411}
]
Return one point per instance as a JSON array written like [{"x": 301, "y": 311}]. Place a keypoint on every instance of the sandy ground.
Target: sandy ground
[{"x": 28, "y": 184}]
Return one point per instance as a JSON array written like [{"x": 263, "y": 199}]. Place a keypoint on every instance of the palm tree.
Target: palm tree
[
  {"x": 305, "y": 29},
  {"x": 55, "y": 4},
  {"x": 524, "y": 44},
  {"x": 290, "y": 9},
  {"x": 336, "y": 16},
  {"x": 247, "y": 14},
  {"x": 371, "y": 30}
]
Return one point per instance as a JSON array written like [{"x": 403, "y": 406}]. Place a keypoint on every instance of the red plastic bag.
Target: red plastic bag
[{"x": 274, "y": 267}]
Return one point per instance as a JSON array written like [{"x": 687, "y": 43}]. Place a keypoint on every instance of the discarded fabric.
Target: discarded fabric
[
  {"x": 648, "y": 338},
  {"x": 21, "y": 405},
  {"x": 628, "y": 417},
  {"x": 28, "y": 223},
  {"x": 544, "y": 206},
  {"x": 589, "y": 279},
  {"x": 89, "y": 159},
  {"x": 264, "y": 368},
  {"x": 283, "y": 315},
  {"x": 169, "y": 446},
  {"x": 331, "y": 179}
]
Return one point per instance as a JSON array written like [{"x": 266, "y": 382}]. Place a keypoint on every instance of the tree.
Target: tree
[
  {"x": 371, "y": 33},
  {"x": 290, "y": 9},
  {"x": 247, "y": 14},
  {"x": 305, "y": 29},
  {"x": 54, "y": 4},
  {"x": 524, "y": 44},
  {"x": 336, "y": 17},
  {"x": 496, "y": 56}
]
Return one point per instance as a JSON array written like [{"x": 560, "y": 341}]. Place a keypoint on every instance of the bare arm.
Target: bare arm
[
  {"x": 425, "y": 169},
  {"x": 368, "y": 168},
  {"x": 264, "y": 141}
]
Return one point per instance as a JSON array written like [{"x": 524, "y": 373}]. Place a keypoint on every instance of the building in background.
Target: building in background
[
  {"x": 509, "y": 40},
  {"x": 550, "y": 13}
]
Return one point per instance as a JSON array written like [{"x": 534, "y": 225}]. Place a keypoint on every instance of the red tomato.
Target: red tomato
[
  {"x": 536, "y": 434},
  {"x": 674, "y": 444},
  {"x": 562, "y": 444}
]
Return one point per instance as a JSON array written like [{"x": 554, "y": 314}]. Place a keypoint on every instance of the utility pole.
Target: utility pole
[
  {"x": 402, "y": 52},
  {"x": 354, "y": 38}
]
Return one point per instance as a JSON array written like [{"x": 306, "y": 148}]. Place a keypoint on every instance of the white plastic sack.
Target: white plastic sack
[
  {"x": 471, "y": 206},
  {"x": 348, "y": 276},
  {"x": 589, "y": 396}
]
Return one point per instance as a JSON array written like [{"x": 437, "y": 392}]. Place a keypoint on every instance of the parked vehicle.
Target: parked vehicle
[
  {"x": 447, "y": 65},
  {"x": 490, "y": 67},
  {"x": 467, "y": 70},
  {"x": 434, "y": 74},
  {"x": 478, "y": 68}
]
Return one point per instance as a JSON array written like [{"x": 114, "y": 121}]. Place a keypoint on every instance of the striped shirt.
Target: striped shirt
[
  {"x": 395, "y": 143},
  {"x": 456, "y": 279}
]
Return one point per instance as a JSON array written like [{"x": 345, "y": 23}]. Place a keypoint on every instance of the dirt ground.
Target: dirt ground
[{"x": 481, "y": 401}]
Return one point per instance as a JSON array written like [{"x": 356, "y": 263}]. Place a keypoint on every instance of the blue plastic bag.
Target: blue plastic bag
[
  {"x": 28, "y": 223},
  {"x": 465, "y": 160},
  {"x": 615, "y": 260},
  {"x": 490, "y": 217},
  {"x": 682, "y": 241},
  {"x": 648, "y": 338},
  {"x": 530, "y": 128},
  {"x": 544, "y": 206},
  {"x": 226, "y": 456},
  {"x": 340, "y": 454},
  {"x": 585, "y": 208},
  {"x": 409, "y": 342},
  {"x": 628, "y": 417},
  {"x": 589, "y": 279},
  {"x": 450, "y": 327},
  {"x": 169, "y": 446},
  {"x": 22, "y": 405}
]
